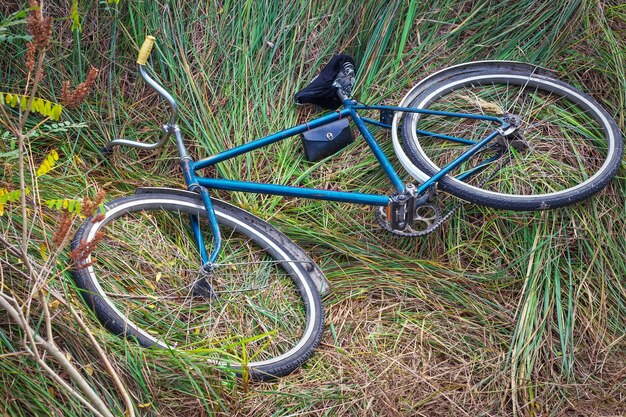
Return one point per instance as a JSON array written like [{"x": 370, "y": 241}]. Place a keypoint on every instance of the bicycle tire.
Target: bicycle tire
[
  {"x": 267, "y": 318},
  {"x": 552, "y": 172}
]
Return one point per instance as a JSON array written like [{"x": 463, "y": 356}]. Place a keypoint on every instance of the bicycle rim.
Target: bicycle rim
[
  {"x": 570, "y": 148},
  {"x": 142, "y": 270}
]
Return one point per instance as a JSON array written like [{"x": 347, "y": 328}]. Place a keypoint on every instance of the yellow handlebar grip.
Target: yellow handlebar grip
[{"x": 144, "y": 52}]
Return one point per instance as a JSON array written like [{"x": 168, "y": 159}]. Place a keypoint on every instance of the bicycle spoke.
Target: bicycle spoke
[{"x": 154, "y": 288}]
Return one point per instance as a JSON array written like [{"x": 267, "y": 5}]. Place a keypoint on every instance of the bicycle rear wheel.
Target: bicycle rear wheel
[
  {"x": 567, "y": 148},
  {"x": 140, "y": 264}
]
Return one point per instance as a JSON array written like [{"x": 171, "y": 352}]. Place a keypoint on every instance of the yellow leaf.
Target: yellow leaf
[
  {"x": 72, "y": 206},
  {"x": 7, "y": 196},
  {"x": 11, "y": 99},
  {"x": 158, "y": 276},
  {"x": 1, "y": 209},
  {"x": 89, "y": 369},
  {"x": 78, "y": 160},
  {"x": 11, "y": 196},
  {"x": 144, "y": 405},
  {"x": 48, "y": 163},
  {"x": 56, "y": 112},
  {"x": 39, "y": 105},
  {"x": 36, "y": 106},
  {"x": 47, "y": 108},
  {"x": 54, "y": 304},
  {"x": 76, "y": 25},
  {"x": 43, "y": 251}
]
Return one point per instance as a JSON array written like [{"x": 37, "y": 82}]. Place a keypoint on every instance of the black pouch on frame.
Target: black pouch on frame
[{"x": 326, "y": 140}]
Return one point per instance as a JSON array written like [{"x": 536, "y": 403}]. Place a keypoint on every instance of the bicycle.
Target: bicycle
[{"x": 502, "y": 134}]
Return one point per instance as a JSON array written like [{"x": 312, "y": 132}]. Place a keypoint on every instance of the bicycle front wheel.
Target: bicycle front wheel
[
  {"x": 140, "y": 265},
  {"x": 566, "y": 149}
]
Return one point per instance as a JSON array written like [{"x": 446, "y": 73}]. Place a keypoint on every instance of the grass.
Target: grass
[{"x": 496, "y": 313}]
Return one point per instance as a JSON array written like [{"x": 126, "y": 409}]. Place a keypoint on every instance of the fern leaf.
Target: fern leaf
[
  {"x": 13, "y": 38},
  {"x": 48, "y": 163},
  {"x": 40, "y": 105},
  {"x": 55, "y": 128},
  {"x": 73, "y": 206},
  {"x": 7, "y": 196}
]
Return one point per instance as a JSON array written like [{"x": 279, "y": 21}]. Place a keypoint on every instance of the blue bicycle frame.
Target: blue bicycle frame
[{"x": 200, "y": 184}]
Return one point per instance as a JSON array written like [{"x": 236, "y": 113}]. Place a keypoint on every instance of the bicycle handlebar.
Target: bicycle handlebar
[
  {"x": 142, "y": 58},
  {"x": 144, "y": 51}
]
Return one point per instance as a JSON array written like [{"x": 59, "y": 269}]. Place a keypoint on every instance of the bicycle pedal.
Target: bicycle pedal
[
  {"x": 412, "y": 215},
  {"x": 201, "y": 288},
  {"x": 106, "y": 151},
  {"x": 386, "y": 116}
]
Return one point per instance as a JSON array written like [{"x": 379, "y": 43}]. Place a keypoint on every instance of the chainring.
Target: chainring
[{"x": 426, "y": 219}]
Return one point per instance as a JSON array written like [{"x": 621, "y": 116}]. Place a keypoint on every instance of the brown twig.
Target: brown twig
[
  {"x": 95, "y": 403},
  {"x": 107, "y": 364}
]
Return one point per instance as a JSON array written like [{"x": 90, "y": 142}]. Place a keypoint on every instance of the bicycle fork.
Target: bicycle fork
[{"x": 202, "y": 287}]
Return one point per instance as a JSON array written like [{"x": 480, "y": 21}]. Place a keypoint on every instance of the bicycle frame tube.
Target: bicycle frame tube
[
  {"x": 375, "y": 147},
  {"x": 291, "y": 191},
  {"x": 426, "y": 111},
  {"x": 423, "y": 132},
  {"x": 268, "y": 140},
  {"x": 458, "y": 161}
]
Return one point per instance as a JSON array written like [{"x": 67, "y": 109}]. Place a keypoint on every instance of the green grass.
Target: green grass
[{"x": 496, "y": 313}]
